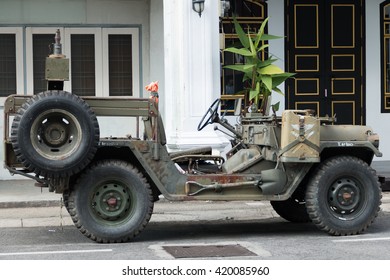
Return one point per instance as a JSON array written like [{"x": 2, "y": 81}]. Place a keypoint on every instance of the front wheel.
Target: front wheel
[
  {"x": 111, "y": 202},
  {"x": 343, "y": 196}
]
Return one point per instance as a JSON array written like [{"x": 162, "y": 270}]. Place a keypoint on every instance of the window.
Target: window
[
  {"x": 39, "y": 42},
  {"x": 250, "y": 15},
  {"x": 41, "y": 49},
  {"x": 83, "y": 64},
  {"x": 7, "y": 64},
  {"x": 11, "y": 57},
  {"x": 103, "y": 61},
  {"x": 385, "y": 55},
  {"x": 120, "y": 64}
]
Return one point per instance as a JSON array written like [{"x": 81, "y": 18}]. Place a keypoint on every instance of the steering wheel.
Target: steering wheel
[{"x": 212, "y": 111}]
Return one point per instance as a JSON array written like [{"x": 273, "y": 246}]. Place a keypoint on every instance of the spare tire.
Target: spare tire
[{"x": 55, "y": 134}]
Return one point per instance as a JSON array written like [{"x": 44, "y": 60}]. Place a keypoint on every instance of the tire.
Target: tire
[
  {"x": 65, "y": 199},
  {"x": 55, "y": 134},
  {"x": 111, "y": 202},
  {"x": 293, "y": 209},
  {"x": 343, "y": 196}
]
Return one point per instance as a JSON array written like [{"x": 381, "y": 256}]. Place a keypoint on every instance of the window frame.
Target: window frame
[
  {"x": 134, "y": 32},
  {"x": 101, "y": 55},
  {"x": 30, "y": 31},
  {"x": 98, "y": 54},
  {"x": 18, "y": 32},
  {"x": 385, "y": 93},
  {"x": 227, "y": 38}
]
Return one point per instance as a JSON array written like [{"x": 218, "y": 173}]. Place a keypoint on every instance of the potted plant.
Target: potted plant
[{"x": 263, "y": 76}]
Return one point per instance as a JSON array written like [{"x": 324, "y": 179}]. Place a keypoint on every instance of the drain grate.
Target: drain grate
[{"x": 205, "y": 251}]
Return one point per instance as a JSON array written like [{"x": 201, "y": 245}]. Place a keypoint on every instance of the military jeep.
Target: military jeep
[{"x": 310, "y": 169}]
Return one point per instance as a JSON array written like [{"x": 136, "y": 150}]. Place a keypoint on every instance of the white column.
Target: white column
[{"x": 192, "y": 73}]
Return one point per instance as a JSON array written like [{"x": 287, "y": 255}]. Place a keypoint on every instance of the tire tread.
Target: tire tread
[
  {"x": 73, "y": 210},
  {"x": 312, "y": 200}
]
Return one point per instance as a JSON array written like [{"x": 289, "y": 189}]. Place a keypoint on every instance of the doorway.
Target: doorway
[{"x": 325, "y": 47}]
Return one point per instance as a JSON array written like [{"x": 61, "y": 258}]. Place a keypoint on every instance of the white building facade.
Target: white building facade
[{"x": 116, "y": 47}]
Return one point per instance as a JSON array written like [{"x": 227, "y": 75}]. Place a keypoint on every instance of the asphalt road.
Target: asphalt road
[{"x": 267, "y": 239}]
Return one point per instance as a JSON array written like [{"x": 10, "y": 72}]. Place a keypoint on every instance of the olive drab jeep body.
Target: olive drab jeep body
[{"x": 310, "y": 169}]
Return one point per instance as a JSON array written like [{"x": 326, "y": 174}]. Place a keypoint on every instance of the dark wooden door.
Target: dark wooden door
[{"x": 325, "y": 48}]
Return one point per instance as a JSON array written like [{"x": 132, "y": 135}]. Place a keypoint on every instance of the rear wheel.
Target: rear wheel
[
  {"x": 343, "y": 197},
  {"x": 111, "y": 202}
]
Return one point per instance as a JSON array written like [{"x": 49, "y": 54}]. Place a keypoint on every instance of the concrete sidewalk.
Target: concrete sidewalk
[{"x": 23, "y": 193}]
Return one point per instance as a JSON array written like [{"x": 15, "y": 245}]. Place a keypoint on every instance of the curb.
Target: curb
[{"x": 30, "y": 204}]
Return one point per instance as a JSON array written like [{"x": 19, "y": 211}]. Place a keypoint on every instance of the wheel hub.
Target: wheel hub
[
  {"x": 111, "y": 202},
  {"x": 344, "y": 196},
  {"x": 55, "y": 134}
]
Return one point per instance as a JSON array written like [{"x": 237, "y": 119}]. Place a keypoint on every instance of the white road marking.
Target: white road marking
[
  {"x": 255, "y": 204},
  {"x": 55, "y": 252},
  {"x": 363, "y": 239}
]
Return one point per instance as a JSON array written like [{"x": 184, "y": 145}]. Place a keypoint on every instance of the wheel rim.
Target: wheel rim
[
  {"x": 56, "y": 134},
  {"x": 112, "y": 202},
  {"x": 345, "y": 198}
]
